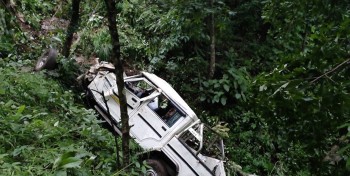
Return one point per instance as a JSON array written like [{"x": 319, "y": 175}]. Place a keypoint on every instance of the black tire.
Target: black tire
[
  {"x": 47, "y": 60},
  {"x": 157, "y": 168}
]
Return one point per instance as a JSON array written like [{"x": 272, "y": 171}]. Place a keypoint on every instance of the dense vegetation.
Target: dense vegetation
[{"x": 281, "y": 82}]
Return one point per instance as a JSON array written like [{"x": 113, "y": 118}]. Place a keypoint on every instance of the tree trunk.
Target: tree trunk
[
  {"x": 73, "y": 26},
  {"x": 212, "y": 42},
  {"x": 116, "y": 60}
]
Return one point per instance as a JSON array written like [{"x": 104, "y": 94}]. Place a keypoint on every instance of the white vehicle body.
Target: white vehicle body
[{"x": 179, "y": 137}]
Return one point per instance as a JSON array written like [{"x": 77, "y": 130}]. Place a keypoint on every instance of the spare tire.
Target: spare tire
[{"x": 47, "y": 60}]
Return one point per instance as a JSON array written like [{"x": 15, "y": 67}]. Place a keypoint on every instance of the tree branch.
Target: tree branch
[{"x": 332, "y": 70}]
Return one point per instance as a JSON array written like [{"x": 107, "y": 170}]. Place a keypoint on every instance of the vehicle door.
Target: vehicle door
[
  {"x": 154, "y": 119},
  {"x": 136, "y": 89},
  {"x": 110, "y": 93}
]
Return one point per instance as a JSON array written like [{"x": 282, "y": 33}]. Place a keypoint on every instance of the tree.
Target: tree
[
  {"x": 73, "y": 26},
  {"x": 116, "y": 60},
  {"x": 212, "y": 42},
  {"x": 304, "y": 99}
]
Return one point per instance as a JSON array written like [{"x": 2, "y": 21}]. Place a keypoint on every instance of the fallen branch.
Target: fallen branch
[{"x": 330, "y": 71}]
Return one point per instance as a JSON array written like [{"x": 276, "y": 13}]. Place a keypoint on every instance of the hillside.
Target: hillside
[
  {"x": 275, "y": 73},
  {"x": 45, "y": 129}
]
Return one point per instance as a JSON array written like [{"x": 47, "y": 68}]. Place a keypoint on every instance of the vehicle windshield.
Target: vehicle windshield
[
  {"x": 201, "y": 139},
  {"x": 139, "y": 87}
]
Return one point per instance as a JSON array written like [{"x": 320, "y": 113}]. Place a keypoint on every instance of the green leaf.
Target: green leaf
[
  {"x": 205, "y": 84},
  {"x": 253, "y": 125},
  {"x": 285, "y": 85},
  {"x": 238, "y": 96},
  {"x": 226, "y": 87},
  {"x": 21, "y": 109},
  {"x": 223, "y": 100},
  {"x": 262, "y": 88},
  {"x": 67, "y": 160},
  {"x": 143, "y": 169},
  {"x": 71, "y": 162},
  {"x": 61, "y": 173},
  {"x": 216, "y": 99},
  {"x": 307, "y": 99},
  {"x": 243, "y": 96},
  {"x": 202, "y": 98},
  {"x": 57, "y": 39},
  {"x": 17, "y": 151},
  {"x": 235, "y": 85},
  {"x": 344, "y": 149},
  {"x": 344, "y": 125},
  {"x": 137, "y": 164},
  {"x": 9, "y": 103},
  {"x": 216, "y": 85},
  {"x": 280, "y": 88},
  {"x": 2, "y": 91},
  {"x": 3, "y": 156},
  {"x": 56, "y": 124}
]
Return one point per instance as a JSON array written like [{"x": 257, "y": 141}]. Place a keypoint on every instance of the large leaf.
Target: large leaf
[{"x": 67, "y": 160}]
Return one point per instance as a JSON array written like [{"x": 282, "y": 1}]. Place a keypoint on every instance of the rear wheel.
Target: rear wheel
[{"x": 157, "y": 168}]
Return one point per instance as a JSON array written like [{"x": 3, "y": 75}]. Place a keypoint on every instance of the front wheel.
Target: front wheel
[
  {"x": 47, "y": 60},
  {"x": 157, "y": 168}
]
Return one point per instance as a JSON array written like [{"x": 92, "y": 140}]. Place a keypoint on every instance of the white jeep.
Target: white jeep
[{"x": 162, "y": 123}]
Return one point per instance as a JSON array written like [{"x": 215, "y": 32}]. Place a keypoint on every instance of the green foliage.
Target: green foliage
[
  {"x": 6, "y": 36},
  {"x": 45, "y": 132},
  {"x": 300, "y": 108},
  {"x": 9, "y": 34},
  {"x": 233, "y": 84},
  {"x": 250, "y": 142},
  {"x": 285, "y": 115},
  {"x": 40, "y": 7},
  {"x": 98, "y": 42}
]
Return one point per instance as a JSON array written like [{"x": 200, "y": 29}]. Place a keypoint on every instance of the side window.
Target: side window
[
  {"x": 166, "y": 110},
  {"x": 140, "y": 88}
]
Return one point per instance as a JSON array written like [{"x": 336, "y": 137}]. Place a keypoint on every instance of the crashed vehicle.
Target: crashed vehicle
[
  {"x": 161, "y": 122},
  {"x": 173, "y": 138}
]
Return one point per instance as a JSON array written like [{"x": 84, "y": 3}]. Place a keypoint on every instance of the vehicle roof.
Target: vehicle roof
[{"x": 170, "y": 92}]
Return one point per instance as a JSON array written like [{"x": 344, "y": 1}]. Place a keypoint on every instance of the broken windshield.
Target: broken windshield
[{"x": 201, "y": 139}]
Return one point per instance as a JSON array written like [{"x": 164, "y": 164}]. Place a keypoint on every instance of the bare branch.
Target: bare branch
[{"x": 330, "y": 71}]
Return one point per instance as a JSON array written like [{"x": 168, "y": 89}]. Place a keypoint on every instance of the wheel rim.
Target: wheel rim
[
  {"x": 151, "y": 172},
  {"x": 41, "y": 63}
]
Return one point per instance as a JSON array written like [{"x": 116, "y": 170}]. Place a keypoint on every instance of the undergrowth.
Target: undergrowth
[{"x": 45, "y": 132}]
